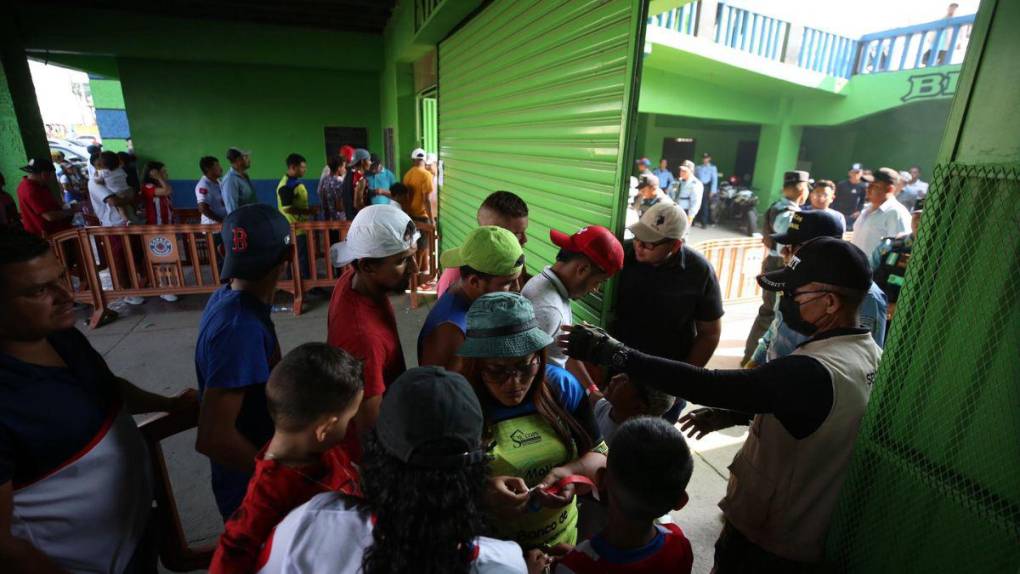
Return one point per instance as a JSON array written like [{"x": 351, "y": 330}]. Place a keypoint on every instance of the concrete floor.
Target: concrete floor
[{"x": 152, "y": 345}]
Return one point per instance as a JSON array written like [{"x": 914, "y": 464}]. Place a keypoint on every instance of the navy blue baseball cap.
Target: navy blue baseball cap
[
  {"x": 256, "y": 238},
  {"x": 806, "y": 225},
  {"x": 822, "y": 260}
]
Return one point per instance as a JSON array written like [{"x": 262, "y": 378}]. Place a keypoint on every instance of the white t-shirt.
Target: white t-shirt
[
  {"x": 889, "y": 220},
  {"x": 552, "y": 309},
  {"x": 208, "y": 192},
  {"x": 330, "y": 533},
  {"x": 109, "y": 216}
]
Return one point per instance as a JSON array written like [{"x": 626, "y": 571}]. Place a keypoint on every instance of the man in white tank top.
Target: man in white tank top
[{"x": 804, "y": 409}]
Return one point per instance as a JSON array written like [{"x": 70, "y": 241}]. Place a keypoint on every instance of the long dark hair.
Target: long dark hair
[
  {"x": 149, "y": 166},
  {"x": 427, "y": 520},
  {"x": 567, "y": 428}
]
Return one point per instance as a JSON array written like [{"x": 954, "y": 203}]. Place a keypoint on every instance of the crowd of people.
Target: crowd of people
[
  {"x": 113, "y": 192},
  {"x": 694, "y": 187},
  {"x": 522, "y": 442}
]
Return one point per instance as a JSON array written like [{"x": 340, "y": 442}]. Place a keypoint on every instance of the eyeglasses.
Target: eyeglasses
[{"x": 500, "y": 374}]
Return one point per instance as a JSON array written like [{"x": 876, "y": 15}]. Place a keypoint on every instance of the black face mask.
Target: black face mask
[{"x": 790, "y": 309}]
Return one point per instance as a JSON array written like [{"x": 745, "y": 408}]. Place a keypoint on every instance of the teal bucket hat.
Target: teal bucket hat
[{"x": 502, "y": 325}]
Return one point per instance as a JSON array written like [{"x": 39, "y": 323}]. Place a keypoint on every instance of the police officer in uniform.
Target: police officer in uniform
[
  {"x": 804, "y": 409},
  {"x": 777, "y": 220},
  {"x": 889, "y": 261}
]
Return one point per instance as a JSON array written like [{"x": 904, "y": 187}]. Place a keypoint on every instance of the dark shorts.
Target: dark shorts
[{"x": 734, "y": 553}]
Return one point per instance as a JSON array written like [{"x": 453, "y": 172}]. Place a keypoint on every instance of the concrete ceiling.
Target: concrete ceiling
[{"x": 367, "y": 16}]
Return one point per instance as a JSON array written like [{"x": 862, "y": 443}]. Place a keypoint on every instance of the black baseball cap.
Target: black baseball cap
[
  {"x": 886, "y": 175},
  {"x": 39, "y": 165},
  {"x": 806, "y": 225},
  {"x": 795, "y": 177},
  {"x": 256, "y": 238},
  {"x": 431, "y": 407},
  {"x": 823, "y": 260}
]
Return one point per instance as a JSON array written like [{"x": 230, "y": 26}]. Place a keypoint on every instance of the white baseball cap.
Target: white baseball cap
[
  {"x": 662, "y": 220},
  {"x": 377, "y": 231},
  {"x": 418, "y": 153}
]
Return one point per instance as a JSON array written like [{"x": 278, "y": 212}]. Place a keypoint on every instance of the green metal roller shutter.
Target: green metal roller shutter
[{"x": 536, "y": 97}]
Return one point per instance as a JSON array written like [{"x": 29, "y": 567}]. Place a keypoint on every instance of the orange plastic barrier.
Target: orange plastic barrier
[
  {"x": 737, "y": 262},
  {"x": 153, "y": 260}
]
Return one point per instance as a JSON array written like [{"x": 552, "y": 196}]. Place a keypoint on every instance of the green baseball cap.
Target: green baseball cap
[
  {"x": 502, "y": 325},
  {"x": 489, "y": 249}
]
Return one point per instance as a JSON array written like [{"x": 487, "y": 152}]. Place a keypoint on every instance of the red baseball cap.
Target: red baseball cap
[{"x": 596, "y": 243}]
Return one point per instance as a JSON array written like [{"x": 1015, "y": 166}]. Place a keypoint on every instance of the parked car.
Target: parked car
[
  {"x": 72, "y": 151},
  {"x": 84, "y": 140}
]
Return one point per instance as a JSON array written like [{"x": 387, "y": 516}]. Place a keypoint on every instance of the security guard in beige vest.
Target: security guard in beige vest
[{"x": 804, "y": 409}]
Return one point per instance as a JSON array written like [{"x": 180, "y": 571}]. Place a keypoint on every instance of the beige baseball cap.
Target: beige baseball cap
[{"x": 662, "y": 220}]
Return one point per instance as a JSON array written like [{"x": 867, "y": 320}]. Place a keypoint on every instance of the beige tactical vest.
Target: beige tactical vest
[{"x": 782, "y": 491}]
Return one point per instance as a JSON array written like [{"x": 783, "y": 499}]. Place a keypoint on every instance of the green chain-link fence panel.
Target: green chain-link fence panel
[{"x": 935, "y": 481}]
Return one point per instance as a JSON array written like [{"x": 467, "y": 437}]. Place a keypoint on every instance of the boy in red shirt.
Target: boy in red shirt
[
  {"x": 380, "y": 249},
  {"x": 646, "y": 476},
  {"x": 312, "y": 395}
]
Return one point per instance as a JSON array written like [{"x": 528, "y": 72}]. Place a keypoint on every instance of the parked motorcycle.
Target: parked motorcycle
[{"x": 736, "y": 206}]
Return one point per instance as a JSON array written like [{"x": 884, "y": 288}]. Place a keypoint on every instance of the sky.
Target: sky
[{"x": 856, "y": 17}]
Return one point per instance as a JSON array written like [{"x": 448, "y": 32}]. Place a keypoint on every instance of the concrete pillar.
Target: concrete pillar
[
  {"x": 778, "y": 148},
  {"x": 22, "y": 101}
]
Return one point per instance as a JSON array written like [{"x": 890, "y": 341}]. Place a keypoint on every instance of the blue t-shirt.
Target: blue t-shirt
[
  {"x": 382, "y": 180},
  {"x": 49, "y": 414},
  {"x": 450, "y": 308},
  {"x": 236, "y": 349}
]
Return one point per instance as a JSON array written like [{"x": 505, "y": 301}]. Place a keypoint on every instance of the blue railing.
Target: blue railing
[
  {"x": 935, "y": 43},
  {"x": 751, "y": 32},
  {"x": 826, "y": 52},
  {"x": 683, "y": 19}
]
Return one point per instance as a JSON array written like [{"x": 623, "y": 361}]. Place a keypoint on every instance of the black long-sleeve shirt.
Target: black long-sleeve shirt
[{"x": 797, "y": 389}]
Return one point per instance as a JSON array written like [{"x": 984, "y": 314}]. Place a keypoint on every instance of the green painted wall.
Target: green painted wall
[
  {"x": 12, "y": 152},
  {"x": 935, "y": 475},
  {"x": 716, "y": 138},
  {"x": 899, "y": 138},
  {"x": 106, "y": 93},
  {"x": 682, "y": 83},
  {"x": 181, "y": 111}
]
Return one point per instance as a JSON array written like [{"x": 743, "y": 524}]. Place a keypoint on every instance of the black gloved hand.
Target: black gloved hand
[{"x": 592, "y": 344}]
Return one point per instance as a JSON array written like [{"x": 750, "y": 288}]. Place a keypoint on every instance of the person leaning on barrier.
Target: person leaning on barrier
[
  {"x": 75, "y": 481},
  {"x": 805, "y": 409}
]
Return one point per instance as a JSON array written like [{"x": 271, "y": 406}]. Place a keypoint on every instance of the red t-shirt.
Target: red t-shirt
[
  {"x": 367, "y": 330},
  {"x": 670, "y": 552},
  {"x": 275, "y": 490},
  {"x": 158, "y": 209},
  {"x": 36, "y": 199}
]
